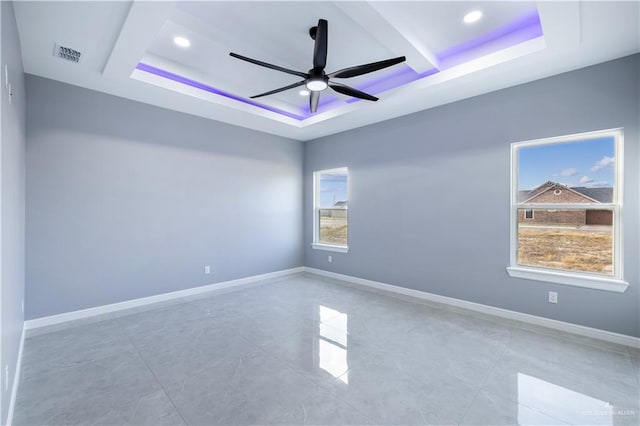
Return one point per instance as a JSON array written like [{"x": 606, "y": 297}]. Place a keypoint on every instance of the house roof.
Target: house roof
[{"x": 601, "y": 195}]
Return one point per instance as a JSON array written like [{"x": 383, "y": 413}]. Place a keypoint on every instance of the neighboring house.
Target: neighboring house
[
  {"x": 552, "y": 192},
  {"x": 339, "y": 209}
]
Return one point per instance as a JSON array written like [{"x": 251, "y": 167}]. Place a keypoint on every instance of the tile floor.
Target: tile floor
[{"x": 305, "y": 350}]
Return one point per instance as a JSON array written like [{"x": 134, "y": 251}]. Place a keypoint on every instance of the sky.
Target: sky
[
  {"x": 333, "y": 188},
  {"x": 587, "y": 163}
]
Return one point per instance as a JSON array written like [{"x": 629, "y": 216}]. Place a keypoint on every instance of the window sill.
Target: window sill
[
  {"x": 329, "y": 247},
  {"x": 567, "y": 278}
]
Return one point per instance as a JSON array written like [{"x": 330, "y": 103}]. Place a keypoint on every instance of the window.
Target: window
[
  {"x": 566, "y": 210},
  {"x": 330, "y": 208}
]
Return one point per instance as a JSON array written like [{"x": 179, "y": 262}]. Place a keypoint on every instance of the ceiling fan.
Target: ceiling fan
[{"x": 316, "y": 80}]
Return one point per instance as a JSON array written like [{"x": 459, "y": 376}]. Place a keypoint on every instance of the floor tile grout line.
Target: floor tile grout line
[
  {"x": 510, "y": 344},
  {"x": 511, "y": 327},
  {"x": 274, "y": 281},
  {"x": 65, "y": 368},
  {"x": 519, "y": 325},
  {"x": 285, "y": 364},
  {"x": 200, "y": 370},
  {"x": 466, "y": 412},
  {"x": 633, "y": 367},
  {"x": 502, "y": 355},
  {"x": 484, "y": 381},
  {"x": 320, "y": 389},
  {"x": 108, "y": 316},
  {"x": 305, "y": 376},
  {"x": 365, "y": 415},
  {"x": 157, "y": 381},
  {"x": 574, "y": 338}
]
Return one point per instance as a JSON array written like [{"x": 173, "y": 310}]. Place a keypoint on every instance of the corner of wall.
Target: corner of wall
[{"x": 12, "y": 212}]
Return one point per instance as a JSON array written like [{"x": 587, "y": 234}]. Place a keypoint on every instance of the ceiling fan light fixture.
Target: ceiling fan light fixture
[
  {"x": 473, "y": 16},
  {"x": 181, "y": 41},
  {"x": 316, "y": 80},
  {"x": 316, "y": 85}
]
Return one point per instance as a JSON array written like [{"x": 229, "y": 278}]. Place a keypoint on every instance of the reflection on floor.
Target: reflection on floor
[
  {"x": 304, "y": 350},
  {"x": 332, "y": 343},
  {"x": 534, "y": 392}
]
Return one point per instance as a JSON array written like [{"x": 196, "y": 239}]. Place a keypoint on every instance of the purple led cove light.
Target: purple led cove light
[
  {"x": 404, "y": 74},
  {"x": 187, "y": 81},
  {"x": 525, "y": 28}
]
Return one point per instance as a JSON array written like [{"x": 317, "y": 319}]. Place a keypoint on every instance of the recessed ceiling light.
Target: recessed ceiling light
[
  {"x": 303, "y": 92},
  {"x": 472, "y": 17},
  {"x": 182, "y": 41}
]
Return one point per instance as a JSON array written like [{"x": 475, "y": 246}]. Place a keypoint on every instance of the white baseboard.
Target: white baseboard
[
  {"x": 16, "y": 381},
  {"x": 113, "y": 307},
  {"x": 581, "y": 330}
]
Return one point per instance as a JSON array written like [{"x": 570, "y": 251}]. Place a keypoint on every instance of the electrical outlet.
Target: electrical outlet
[
  {"x": 9, "y": 93},
  {"x": 329, "y": 259},
  {"x": 553, "y": 297},
  {"x": 6, "y": 377},
  {"x": 207, "y": 269}
]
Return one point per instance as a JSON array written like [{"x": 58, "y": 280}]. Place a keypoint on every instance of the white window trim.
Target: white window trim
[
  {"x": 533, "y": 214},
  {"x": 316, "y": 244},
  {"x": 614, "y": 283},
  {"x": 568, "y": 278},
  {"x": 330, "y": 247}
]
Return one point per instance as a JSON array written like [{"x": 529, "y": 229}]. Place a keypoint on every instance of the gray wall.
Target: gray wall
[
  {"x": 125, "y": 200},
  {"x": 12, "y": 176},
  {"x": 429, "y": 206}
]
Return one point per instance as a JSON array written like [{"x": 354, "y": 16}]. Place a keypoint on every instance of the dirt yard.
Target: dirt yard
[
  {"x": 333, "y": 230},
  {"x": 568, "y": 249}
]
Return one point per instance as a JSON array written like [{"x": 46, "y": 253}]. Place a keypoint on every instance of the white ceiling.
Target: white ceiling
[{"x": 447, "y": 60}]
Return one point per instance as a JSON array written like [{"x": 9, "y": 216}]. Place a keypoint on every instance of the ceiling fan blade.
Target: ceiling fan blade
[
  {"x": 366, "y": 68},
  {"x": 313, "y": 100},
  {"x": 350, "y": 91},
  {"x": 273, "y": 67},
  {"x": 282, "y": 89},
  {"x": 320, "y": 48}
]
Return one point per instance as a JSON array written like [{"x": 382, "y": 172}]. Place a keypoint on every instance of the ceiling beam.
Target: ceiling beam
[
  {"x": 388, "y": 30},
  {"x": 140, "y": 28},
  {"x": 561, "y": 24}
]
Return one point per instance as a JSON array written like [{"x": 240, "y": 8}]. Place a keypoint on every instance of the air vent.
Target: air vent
[{"x": 67, "y": 53}]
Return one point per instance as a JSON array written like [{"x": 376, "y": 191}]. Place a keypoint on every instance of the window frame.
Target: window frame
[
  {"x": 615, "y": 282},
  {"x": 316, "y": 244}
]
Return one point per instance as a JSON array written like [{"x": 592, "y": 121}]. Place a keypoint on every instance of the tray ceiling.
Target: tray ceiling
[{"x": 128, "y": 50}]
